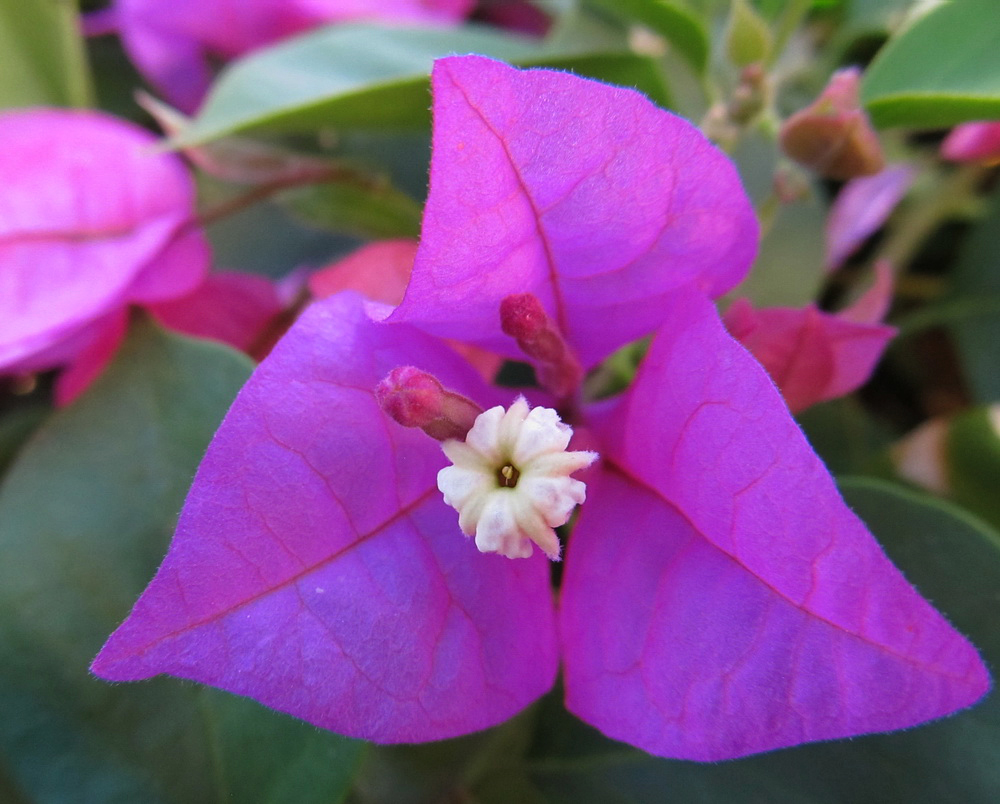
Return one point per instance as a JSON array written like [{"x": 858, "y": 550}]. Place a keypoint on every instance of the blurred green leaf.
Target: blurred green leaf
[
  {"x": 748, "y": 37},
  {"x": 845, "y": 436},
  {"x": 673, "y": 21},
  {"x": 115, "y": 78},
  {"x": 86, "y": 512},
  {"x": 447, "y": 770},
  {"x": 15, "y": 427},
  {"x": 954, "y": 559},
  {"x": 623, "y": 69},
  {"x": 973, "y": 463},
  {"x": 42, "y": 58},
  {"x": 976, "y": 289},
  {"x": 788, "y": 270},
  {"x": 266, "y": 239},
  {"x": 360, "y": 76},
  {"x": 366, "y": 212},
  {"x": 576, "y": 27},
  {"x": 872, "y": 16},
  {"x": 941, "y": 70}
]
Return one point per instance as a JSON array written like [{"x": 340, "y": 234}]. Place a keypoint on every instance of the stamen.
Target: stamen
[
  {"x": 508, "y": 476},
  {"x": 524, "y": 319}
]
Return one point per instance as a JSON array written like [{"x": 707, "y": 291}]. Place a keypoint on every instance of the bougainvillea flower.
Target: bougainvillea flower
[
  {"x": 92, "y": 219},
  {"x": 973, "y": 142},
  {"x": 833, "y": 136},
  {"x": 175, "y": 42},
  {"x": 861, "y": 207},
  {"x": 718, "y": 597},
  {"x": 813, "y": 356}
]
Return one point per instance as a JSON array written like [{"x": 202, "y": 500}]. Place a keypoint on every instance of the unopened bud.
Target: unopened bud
[
  {"x": 748, "y": 37},
  {"x": 973, "y": 142},
  {"x": 750, "y": 95},
  {"x": 524, "y": 319},
  {"x": 833, "y": 136},
  {"x": 414, "y": 398},
  {"x": 791, "y": 184}
]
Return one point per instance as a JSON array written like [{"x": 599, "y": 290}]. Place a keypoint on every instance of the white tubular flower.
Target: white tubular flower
[{"x": 510, "y": 480}]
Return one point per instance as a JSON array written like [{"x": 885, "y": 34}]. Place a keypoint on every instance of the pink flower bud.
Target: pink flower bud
[
  {"x": 524, "y": 319},
  {"x": 414, "y": 398},
  {"x": 833, "y": 136},
  {"x": 973, "y": 142}
]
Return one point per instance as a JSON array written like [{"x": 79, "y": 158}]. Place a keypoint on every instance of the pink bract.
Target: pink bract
[
  {"x": 350, "y": 598},
  {"x": 173, "y": 42},
  {"x": 93, "y": 219},
  {"x": 973, "y": 142},
  {"x": 231, "y": 307},
  {"x": 813, "y": 356},
  {"x": 718, "y": 599},
  {"x": 378, "y": 271}
]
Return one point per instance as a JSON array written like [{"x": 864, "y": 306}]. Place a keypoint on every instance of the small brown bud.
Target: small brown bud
[{"x": 833, "y": 136}]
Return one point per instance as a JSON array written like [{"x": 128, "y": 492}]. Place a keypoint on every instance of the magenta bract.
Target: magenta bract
[
  {"x": 743, "y": 607},
  {"x": 92, "y": 219},
  {"x": 718, "y": 597},
  {"x": 585, "y": 195},
  {"x": 317, "y": 569}
]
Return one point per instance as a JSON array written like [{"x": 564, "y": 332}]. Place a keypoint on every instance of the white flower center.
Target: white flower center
[{"x": 510, "y": 479}]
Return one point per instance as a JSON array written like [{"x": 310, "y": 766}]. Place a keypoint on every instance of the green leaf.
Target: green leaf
[
  {"x": 447, "y": 770},
  {"x": 941, "y": 70},
  {"x": 675, "y": 23},
  {"x": 42, "y": 58},
  {"x": 976, "y": 289},
  {"x": 15, "y": 427},
  {"x": 788, "y": 270},
  {"x": 623, "y": 69},
  {"x": 365, "y": 212},
  {"x": 954, "y": 559},
  {"x": 845, "y": 436},
  {"x": 265, "y": 239},
  {"x": 973, "y": 462},
  {"x": 748, "y": 37},
  {"x": 86, "y": 512},
  {"x": 360, "y": 76}
]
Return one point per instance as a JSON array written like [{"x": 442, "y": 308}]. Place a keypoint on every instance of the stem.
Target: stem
[
  {"x": 946, "y": 313},
  {"x": 923, "y": 219},
  {"x": 265, "y": 191},
  {"x": 794, "y": 13}
]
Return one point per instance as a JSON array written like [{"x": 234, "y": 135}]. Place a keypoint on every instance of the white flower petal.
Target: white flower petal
[{"x": 528, "y": 447}]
